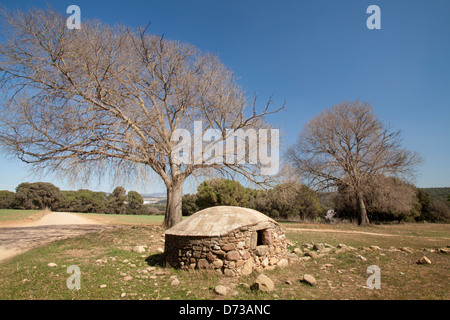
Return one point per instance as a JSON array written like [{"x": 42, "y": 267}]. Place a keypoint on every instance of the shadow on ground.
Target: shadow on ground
[{"x": 155, "y": 260}]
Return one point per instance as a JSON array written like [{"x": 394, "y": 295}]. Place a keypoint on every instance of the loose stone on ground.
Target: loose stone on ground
[
  {"x": 309, "y": 279},
  {"x": 263, "y": 283}
]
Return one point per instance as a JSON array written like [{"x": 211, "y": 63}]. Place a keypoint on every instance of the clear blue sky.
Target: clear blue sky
[{"x": 311, "y": 54}]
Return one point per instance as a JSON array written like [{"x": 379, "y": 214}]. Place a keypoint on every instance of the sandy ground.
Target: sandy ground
[{"x": 21, "y": 236}]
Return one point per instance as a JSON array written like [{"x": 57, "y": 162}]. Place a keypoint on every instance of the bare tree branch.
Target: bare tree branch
[{"x": 109, "y": 99}]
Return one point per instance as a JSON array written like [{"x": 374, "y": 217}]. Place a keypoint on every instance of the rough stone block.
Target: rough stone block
[
  {"x": 228, "y": 247},
  {"x": 203, "y": 264},
  {"x": 233, "y": 255}
]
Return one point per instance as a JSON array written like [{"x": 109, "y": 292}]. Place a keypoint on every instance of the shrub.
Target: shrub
[
  {"x": 289, "y": 201},
  {"x": 221, "y": 192},
  {"x": 37, "y": 195},
  {"x": 83, "y": 200},
  {"x": 134, "y": 203},
  {"x": 7, "y": 199},
  {"x": 189, "y": 205},
  {"x": 439, "y": 212}
]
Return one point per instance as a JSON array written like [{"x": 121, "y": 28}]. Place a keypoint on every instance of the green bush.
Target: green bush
[
  {"x": 285, "y": 201},
  {"x": 135, "y": 203},
  {"x": 291, "y": 201},
  {"x": 439, "y": 211},
  {"x": 7, "y": 199},
  {"x": 189, "y": 205},
  {"x": 37, "y": 196},
  {"x": 221, "y": 192},
  {"x": 83, "y": 200}
]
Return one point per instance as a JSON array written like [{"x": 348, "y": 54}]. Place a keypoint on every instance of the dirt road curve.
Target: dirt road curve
[{"x": 22, "y": 236}]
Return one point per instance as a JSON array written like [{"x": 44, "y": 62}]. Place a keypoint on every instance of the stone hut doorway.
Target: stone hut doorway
[{"x": 264, "y": 237}]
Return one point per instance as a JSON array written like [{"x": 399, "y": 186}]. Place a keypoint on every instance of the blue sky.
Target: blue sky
[{"x": 311, "y": 54}]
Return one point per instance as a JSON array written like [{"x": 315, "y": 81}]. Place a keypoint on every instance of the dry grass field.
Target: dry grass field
[{"x": 110, "y": 269}]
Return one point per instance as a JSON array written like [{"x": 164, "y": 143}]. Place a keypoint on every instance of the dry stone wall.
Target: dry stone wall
[{"x": 241, "y": 251}]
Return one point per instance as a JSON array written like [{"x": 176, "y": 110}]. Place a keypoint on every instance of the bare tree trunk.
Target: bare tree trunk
[
  {"x": 173, "y": 213},
  {"x": 363, "y": 219}
]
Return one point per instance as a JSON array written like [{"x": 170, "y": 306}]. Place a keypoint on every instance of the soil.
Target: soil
[{"x": 21, "y": 236}]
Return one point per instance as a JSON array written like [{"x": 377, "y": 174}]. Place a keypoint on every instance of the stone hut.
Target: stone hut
[{"x": 232, "y": 240}]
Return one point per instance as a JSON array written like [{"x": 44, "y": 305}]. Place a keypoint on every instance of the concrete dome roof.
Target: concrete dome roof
[{"x": 218, "y": 221}]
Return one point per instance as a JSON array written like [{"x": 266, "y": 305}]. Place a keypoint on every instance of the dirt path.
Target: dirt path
[{"x": 19, "y": 237}]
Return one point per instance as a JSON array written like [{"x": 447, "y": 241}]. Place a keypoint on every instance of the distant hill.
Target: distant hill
[
  {"x": 155, "y": 195},
  {"x": 438, "y": 193}
]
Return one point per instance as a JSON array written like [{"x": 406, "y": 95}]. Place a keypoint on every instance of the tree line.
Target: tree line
[
  {"x": 388, "y": 199},
  {"x": 288, "y": 201},
  {"x": 41, "y": 195}
]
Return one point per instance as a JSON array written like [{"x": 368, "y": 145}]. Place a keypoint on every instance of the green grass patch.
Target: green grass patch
[
  {"x": 106, "y": 258},
  {"x": 13, "y": 214},
  {"x": 415, "y": 235}
]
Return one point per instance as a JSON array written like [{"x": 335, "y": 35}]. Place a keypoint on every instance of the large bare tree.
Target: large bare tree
[
  {"x": 347, "y": 144},
  {"x": 106, "y": 98}
]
